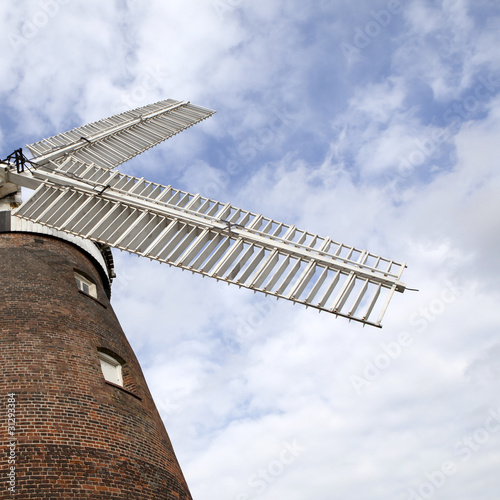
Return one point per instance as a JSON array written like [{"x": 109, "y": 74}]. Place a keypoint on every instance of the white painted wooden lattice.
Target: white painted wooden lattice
[{"x": 76, "y": 191}]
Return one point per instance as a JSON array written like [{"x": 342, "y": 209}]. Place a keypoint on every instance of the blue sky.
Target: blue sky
[{"x": 373, "y": 122}]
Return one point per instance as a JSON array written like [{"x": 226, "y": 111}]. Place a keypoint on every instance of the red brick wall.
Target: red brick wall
[{"x": 74, "y": 436}]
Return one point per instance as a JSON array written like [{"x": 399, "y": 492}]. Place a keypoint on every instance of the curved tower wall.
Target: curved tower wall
[{"x": 75, "y": 435}]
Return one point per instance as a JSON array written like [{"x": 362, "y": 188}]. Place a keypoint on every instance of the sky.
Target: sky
[{"x": 373, "y": 122}]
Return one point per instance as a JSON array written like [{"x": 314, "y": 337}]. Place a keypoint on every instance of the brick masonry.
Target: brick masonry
[{"x": 75, "y": 435}]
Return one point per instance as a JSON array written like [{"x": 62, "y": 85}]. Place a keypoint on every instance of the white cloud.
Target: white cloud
[{"x": 237, "y": 376}]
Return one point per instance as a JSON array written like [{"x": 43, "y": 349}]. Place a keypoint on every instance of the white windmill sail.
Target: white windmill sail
[
  {"x": 114, "y": 140},
  {"x": 88, "y": 199},
  {"x": 214, "y": 239}
]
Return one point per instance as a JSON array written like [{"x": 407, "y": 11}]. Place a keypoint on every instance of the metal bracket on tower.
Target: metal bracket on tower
[{"x": 18, "y": 159}]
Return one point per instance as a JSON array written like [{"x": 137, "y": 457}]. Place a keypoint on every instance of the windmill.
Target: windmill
[{"x": 79, "y": 196}]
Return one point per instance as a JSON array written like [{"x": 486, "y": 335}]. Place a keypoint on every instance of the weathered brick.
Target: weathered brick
[{"x": 76, "y": 435}]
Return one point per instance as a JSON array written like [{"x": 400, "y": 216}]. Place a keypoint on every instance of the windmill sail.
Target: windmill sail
[
  {"x": 77, "y": 191},
  {"x": 114, "y": 140},
  {"x": 214, "y": 239}
]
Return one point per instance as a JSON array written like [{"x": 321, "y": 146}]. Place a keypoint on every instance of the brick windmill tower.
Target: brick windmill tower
[{"x": 79, "y": 420}]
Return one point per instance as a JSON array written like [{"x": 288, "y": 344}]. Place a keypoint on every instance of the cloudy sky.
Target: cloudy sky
[{"x": 373, "y": 122}]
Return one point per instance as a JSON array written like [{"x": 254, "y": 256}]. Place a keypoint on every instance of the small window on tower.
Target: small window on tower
[
  {"x": 85, "y": 285},
  {"x": 111, "y": 369}
]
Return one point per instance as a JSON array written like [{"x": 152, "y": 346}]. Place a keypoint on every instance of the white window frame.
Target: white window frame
[
  {"x": 111, "y": 369},
  {"x": 85, "y": 285}
]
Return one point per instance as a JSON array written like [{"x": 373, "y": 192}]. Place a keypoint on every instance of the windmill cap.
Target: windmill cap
[{"x": 101, "y": 254}]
